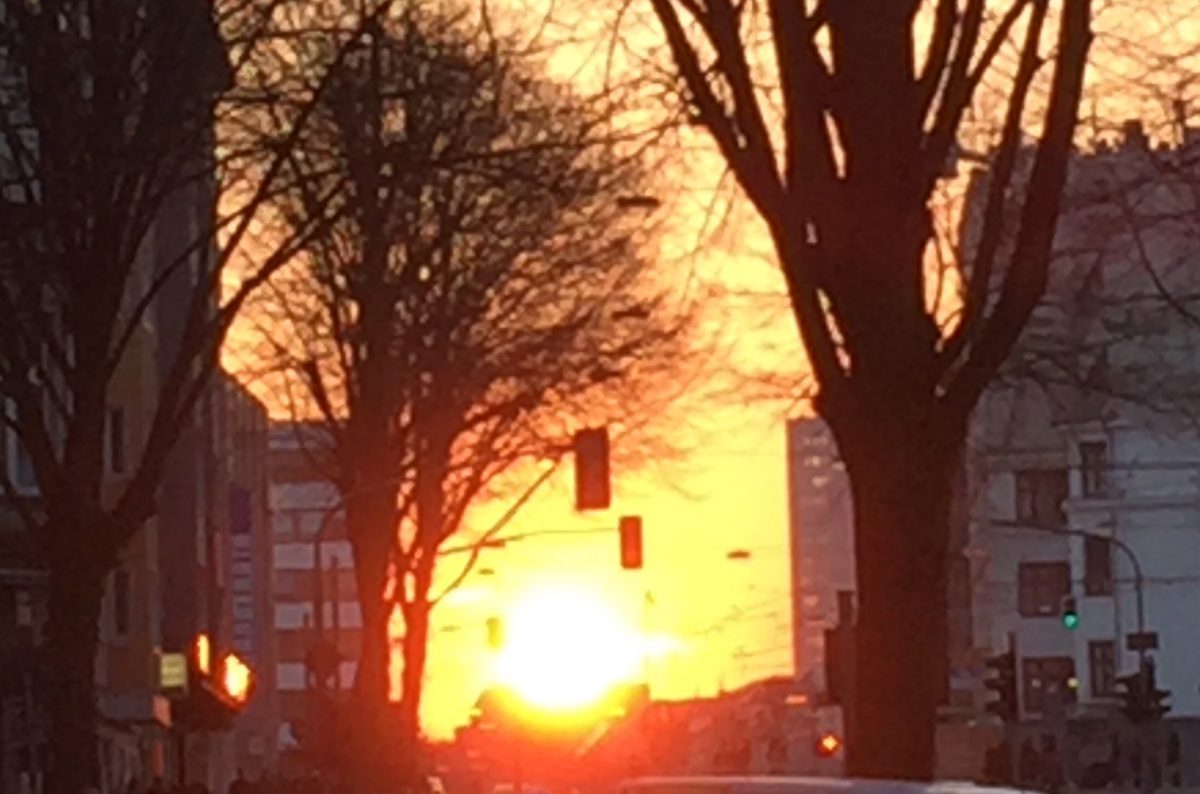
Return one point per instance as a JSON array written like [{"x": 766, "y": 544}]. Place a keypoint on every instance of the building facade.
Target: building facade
[
  {"x": 821, "y": 539},
  {"x": 216, "y": 565},
  {"x": 1084, "y": 468},
  {"x": 317, "y": 620},
  {"x": 821, "y": 534}
]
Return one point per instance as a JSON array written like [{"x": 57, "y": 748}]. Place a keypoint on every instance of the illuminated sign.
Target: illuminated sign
[{"x": 172, "y": 671}]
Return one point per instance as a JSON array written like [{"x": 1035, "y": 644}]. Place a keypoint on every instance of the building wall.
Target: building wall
[
  {"x": 240, "y": 442},
  {"x": 313, "y": 572},
  {"x": 1152, "y": 505},
  {"x": 1100, "y": 392},
  {"x": 822, "y": 539}
]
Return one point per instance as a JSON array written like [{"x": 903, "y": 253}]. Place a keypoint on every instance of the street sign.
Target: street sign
[
  {"x": 1142, "y": 641},
  {"x": 173, "y": 671}
]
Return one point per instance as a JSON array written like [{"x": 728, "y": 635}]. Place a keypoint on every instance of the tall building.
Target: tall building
[
  {"x": 1084, "y": 473},
  {"x": 821, "y": 512},
  {"x": 822, "y": 539},
  {"x": 136, "y": 721},
  {"x": 318, "y": 623},
  {"x": 135, "y": 714},
  {"x": 216, "y": 567}
]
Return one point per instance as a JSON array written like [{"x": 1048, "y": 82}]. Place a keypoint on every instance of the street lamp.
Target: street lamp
[{"x": 638, "y": 202}]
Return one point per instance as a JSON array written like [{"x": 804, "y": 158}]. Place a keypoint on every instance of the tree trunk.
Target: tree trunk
[
  {"x": 365, "y": 514},
  {"x": 76, "y": 590},
  {"x": 434, "y": 446},
  {"x": 416, "y": 653},
  {"x": 369, "y": 745},
  {"x": 901, "y": 478}
]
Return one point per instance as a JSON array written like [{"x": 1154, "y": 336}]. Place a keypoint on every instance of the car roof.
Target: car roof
[{"x": 818, "y": 784}]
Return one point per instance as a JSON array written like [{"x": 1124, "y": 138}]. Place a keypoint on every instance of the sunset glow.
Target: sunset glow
[{"x": 565, "y": 649}]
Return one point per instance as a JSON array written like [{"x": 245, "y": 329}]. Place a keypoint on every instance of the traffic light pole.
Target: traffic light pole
[
  {"x": 1010, "y": 733},
  {"x": 1138, "y": 581}
]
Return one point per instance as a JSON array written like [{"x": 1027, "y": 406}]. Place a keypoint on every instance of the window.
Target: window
[
  {"x": 1102, "y": 667},
  {"x": 1097, "y": 566},
  {"x": 1041, "y": 588},
  {"x": 18, "y": 463},
  {"x": 1040, "y": 494},
  {"x": 1093, "y": 468},
  {"x": 121, "y": 603},
  {"x": 1047, "y": 677},
  {"x": 20, "y": 466},
  {"x": 116, "y": 440}
]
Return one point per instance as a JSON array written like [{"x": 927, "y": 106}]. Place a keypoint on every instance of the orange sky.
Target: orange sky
[
  {"x": 716, "y": 623},
  {"x": 729, "y": 492}
]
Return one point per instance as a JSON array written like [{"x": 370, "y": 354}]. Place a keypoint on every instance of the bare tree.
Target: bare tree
[
  {"x": 483, "y": 297},
  {"x": 110, "y": 222},
  {"x": 870, "y": 99}
]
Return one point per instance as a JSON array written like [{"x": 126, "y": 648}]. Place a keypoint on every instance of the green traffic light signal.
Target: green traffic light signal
[{"x": 1069, "y": 614}]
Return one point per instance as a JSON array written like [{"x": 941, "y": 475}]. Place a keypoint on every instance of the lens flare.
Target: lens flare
[{"x": 565, "y": 649}]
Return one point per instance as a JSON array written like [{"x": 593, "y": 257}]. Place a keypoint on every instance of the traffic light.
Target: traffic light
[
  {"x": 1141, "y": 699},
  {"x": 1069, "y": 613},
  {"x": 1004, "y": 684},
  {"x": 202, "y": 654},
  {"x": 1156, "y": 699},
  {"x": 593, "y": 486},
  {"x": 827, "y": 745},
  {"x": 1130, "y": 688},
  {"x": 237, "y": 679},
  {"x": 630, "y": 528}
]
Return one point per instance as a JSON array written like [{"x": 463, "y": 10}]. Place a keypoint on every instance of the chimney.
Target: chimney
[{"x": 1135, "y": 135}]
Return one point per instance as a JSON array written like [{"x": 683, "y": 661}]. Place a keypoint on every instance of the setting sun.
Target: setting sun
[{"x": 565, "y": 649}]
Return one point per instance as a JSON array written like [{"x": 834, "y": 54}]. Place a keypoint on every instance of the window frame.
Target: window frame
[
  {"x": 1095, "y": 584},
  {"x": 1029, "y": 581},
  {"x": 1038, "y": 669},
  {"x": 1093, "y": 471},
  {"x": 1102, "y": 653},
  {"x": 1034, "y": 502}
]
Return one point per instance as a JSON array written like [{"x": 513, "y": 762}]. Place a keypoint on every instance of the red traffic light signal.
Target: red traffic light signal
[
  {"x": 630, "y": 528},
  {"x": 827, "y": 745},
  {"x": 593, "y": 485}
]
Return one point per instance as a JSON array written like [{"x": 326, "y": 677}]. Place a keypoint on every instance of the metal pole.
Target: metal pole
[
  {"x": 1137, "y": 577},
  {"x": 1014, "y": 750},
  {"x": 1138, "y": 581}
]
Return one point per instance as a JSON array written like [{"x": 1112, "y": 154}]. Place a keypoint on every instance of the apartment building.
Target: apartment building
[
  {"x": 318, "y": 623},
  {"x": 1084, "y": 466}
]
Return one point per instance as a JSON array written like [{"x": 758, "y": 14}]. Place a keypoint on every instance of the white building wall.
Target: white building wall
[{"x": 1106, "y": 359}]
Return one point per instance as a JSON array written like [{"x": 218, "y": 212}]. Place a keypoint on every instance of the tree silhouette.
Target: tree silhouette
[
  {"x": 870, "y": 99},
  {"x": 120, "y": 125},
  {"x": 482, "y": 297}
]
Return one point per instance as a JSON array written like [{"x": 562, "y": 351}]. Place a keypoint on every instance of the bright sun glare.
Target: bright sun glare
[{"x": 565, "y": 649}]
